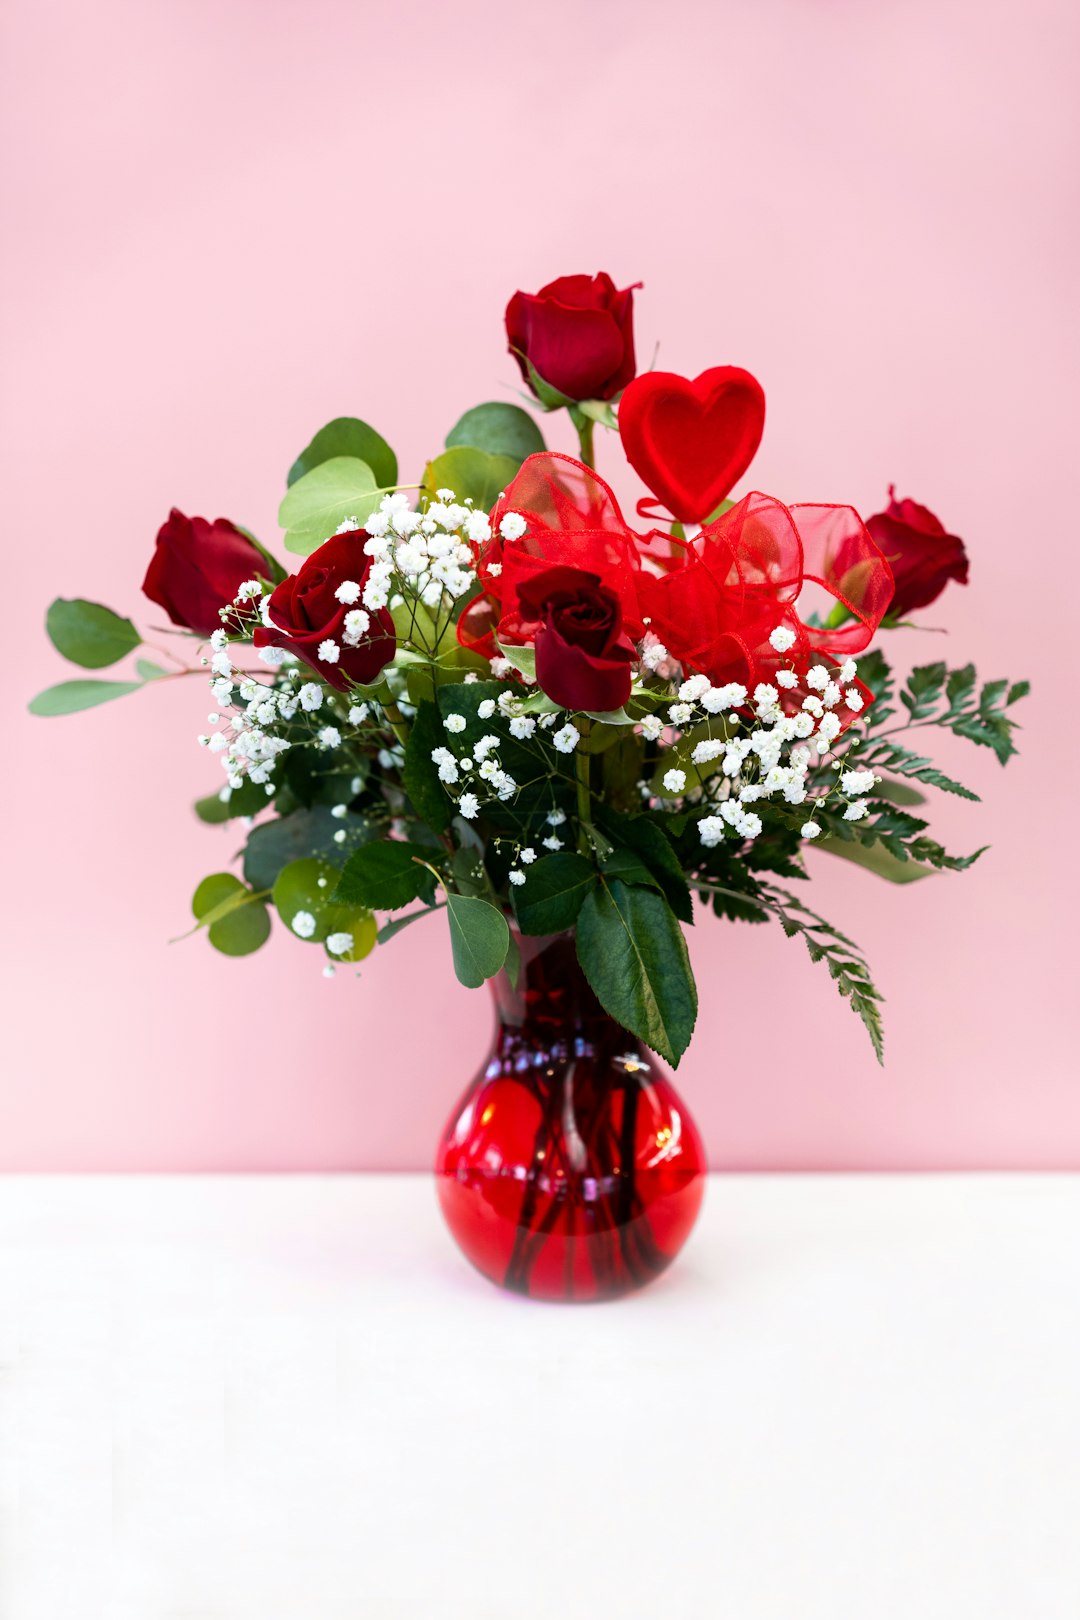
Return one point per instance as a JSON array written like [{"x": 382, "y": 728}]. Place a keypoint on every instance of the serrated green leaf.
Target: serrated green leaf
[
  {"x": 420, "y": 774},
  {"x": 498, "y": 428},
  {"x": 318, "y": 503},
  {"x": 633, "y": 953},
  {"x": 555, "y": 887},
  {"x": 479, "y": 938},
  {"x": 385, "y": 876},
  {"x": 69, "y": 697},
  {"x": 348, "y": 436},
  {"x": 88, "y": 633},
  {"x": 1018, "y": 690}
]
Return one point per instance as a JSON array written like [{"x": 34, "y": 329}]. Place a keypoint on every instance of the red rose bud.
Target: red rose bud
[
  {"x": 578, "y": 334},
  {"x": 319, "y": 615},
  {"x": 922, "y": 556},
  {"x": 583, "y": 658},
  {"x": 197, "y": 569}
]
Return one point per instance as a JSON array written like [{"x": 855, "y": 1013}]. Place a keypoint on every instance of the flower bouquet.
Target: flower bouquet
[{"x": 493, "y": 697}]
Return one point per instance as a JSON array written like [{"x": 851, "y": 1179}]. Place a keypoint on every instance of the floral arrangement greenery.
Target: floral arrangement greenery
[{"x": 489, "y": 695}]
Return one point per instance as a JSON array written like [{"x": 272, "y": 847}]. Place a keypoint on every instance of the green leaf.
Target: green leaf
[
  {"x": 555, "y": 886},
  {"x": 1018, "y": 690},
  {"x": 385, "y": 876},
  {"x": 960, "y": 687},
  {"x": 304, "y": 834},
  {"x": 550, "y": 398},
  {"x": 324, "y": 498},
  {"x": 624, "y": 864},
  {"x": 472, "y": 475},
  {"x": 501, "y": 430},
  {"x": 420, "y": 774},
  {"x": 522, "y": 659},
  {"x": 89, "y": 634},
  {"x": 348, "y": 436},
  {"x": 876, "y": 858},
  {"x": 149, "y": 671},
  {"x": 479, "y": 938},
  {"x": 71, "y": 696},
  {"x": 599, "y": 410},
  {"x": 890, "y": 756},
  {"x": 236, "y": 920},
  {"x": 633, "y": 953},
  {"x": 924, "y": 686},
  {"x": 846, "y": 964},
  {"x": 646, "y": 840}
]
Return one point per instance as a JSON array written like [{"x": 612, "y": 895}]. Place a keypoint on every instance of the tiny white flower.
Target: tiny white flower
[
  {"x": 552, "y": 842},
  {"x": 709, "y": 748},
  {"x": 555, "y": 818},
  {"x": 347, "y": 593},
  {"x": 494, "y": 569},
  {"x": 468, "y": 806},
  {"x": 856, "y": 811},
  {"x": 817, "y": 679},
  {"x": 221, "y": 664},
  {"x": 250, "y": 588},
  {"x": 338, "y": 944},
  {"x": 219, "y": 641},
  {"x": 311, "y": 696},
  {"x": 477, "y": 527},
  {"x": 854, "y": 700},
  {"x": 695, "y": 688},
  {"x": 484, "y": 746},
  {"x": 486, "y": 709},
  {"x": 651, "y": 727},
  {"x": 329, "y": 651},
  {"x": 857, "y": 782},
  {"x": 783, "y": 638},
  {"x": 274, "y": 657},
  {"x": 810, "y": 829},
  {"x": 848, "y": 671},
  {"x": 653, "y": 655},
  {"x": 517, "y": 878},
  {"x": 786, "y": 678},
  {"x": 674, "y": 781},
  {"x": 679, "y": 713},
  {"x": 340, "y": 836},
  {"x": 566, "y": 739},
  {"x": 218, "y": 743},
  {"x": 527, "y": 857},
  {"x": 303, "y": 924},
  {"x": 358, "y": 714},
  {"x": 339, "y": 811},
  {"x": 501, "y": 667},
  {"x": 454, "y": 722},
  {"x": 711, "y": 831},
  {"x": 512, "y": 526},
  {"x": 522, "y": 726},
  {"x": 329, "y": 737}
]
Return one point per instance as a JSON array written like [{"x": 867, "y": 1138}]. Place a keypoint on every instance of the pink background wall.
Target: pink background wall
[{"x": 226, "y": 223}]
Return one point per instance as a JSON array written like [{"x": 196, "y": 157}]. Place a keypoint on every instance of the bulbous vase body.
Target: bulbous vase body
[{"x": 571, "y": 1168}]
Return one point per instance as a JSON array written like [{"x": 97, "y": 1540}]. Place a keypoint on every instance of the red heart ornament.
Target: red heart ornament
[{"x": 691, "y": 442}]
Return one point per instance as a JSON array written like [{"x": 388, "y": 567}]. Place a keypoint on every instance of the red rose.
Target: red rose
[
  {"x": 922, "y": 555},
  {"x": 197, "y": 569},
  {"x": 578, "y": 332},
  {"x": 308, "y": 610},
  {"x": 583, "y": 658},
  {"x": 567, "y": 517}
]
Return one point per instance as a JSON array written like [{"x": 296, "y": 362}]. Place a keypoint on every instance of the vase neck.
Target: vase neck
[{"x": 552, "y": 995}]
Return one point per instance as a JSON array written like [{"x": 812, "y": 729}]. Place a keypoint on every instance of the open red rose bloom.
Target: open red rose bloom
[{"x": 712, "y": 600}]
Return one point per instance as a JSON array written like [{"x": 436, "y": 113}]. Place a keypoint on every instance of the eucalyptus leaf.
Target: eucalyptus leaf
[
  {"x": 317, "y": 504},
  {"x": 479, "y": 938},
  {"x": 500, "y": 429},
  {"x": 523, "y": 659},
  {"x": 347, "y": 436},
  {"x": 88, "y": 633},
  {"x": 71, "y": 696},
  {"x": 149, "y": 671},
  {"x": 306, "y": 832},
  {"x": 472, "y": 474}
]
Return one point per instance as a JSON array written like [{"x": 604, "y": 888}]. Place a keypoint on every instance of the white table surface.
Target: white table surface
[{"x": 287, "y": 1396}]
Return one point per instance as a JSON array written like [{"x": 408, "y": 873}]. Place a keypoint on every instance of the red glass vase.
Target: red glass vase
[{"x": 571, "y": 1168}]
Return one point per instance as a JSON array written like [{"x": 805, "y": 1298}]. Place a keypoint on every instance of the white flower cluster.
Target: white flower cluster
[
  {"x": 766, "y": 754},
  {"x": 425, "y": 554}
]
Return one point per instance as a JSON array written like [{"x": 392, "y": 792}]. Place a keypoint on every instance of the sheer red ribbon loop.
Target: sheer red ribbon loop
[{"x": 715, "y": 600}]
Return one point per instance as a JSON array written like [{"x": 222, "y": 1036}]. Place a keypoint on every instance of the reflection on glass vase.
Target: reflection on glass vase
[{"x": 571, "y": 1169}]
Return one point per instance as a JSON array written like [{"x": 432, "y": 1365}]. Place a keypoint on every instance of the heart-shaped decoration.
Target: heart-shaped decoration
[{"x": 691, "y": 442}]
